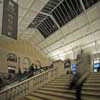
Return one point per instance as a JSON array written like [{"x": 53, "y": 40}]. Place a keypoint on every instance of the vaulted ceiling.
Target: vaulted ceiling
[{"x": 56, "y": 27}]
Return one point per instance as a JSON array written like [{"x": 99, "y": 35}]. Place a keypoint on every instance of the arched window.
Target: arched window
[{"x": 12, "y": 57}]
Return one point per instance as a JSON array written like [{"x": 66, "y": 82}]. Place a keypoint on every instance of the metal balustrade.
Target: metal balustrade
[{"x": 27, "y": 86}]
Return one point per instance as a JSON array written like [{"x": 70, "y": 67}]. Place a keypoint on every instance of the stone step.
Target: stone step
[
  {"x": 87, "y": 81},
  {"x": 66, "y": 86},
  {"x": 66, "y": 83},
  {"x": 98, "y": 76},
  {"x": 70, "y": 91},
  {"x": 94, "y": 77},
  {"x": 86, "y": 96},
  {"x": 45, "y": 96},
  {"x": 22, "y": 98},
  {"x": 61, "y": 96},
  {"x": 95, "y": 73},
  {"x": 32, "y": 98}
]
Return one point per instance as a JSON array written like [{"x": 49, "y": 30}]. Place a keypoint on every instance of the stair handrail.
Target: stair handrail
[{"x": 37, "y": 80}]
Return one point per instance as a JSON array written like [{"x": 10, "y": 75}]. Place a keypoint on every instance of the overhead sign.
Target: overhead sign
[{"x": 10, "y": 19}]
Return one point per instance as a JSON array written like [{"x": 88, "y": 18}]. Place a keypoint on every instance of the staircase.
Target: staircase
[{"x": 58, "y": 90}]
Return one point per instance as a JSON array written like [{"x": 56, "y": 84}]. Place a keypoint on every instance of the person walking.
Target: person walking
[
  {"x": 82, "y": 72},
  {"x": 67, "y": 66}
]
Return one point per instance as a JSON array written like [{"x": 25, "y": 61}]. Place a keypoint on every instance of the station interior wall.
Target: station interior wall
[
  {"x": 22, "y": 49},
  {"x": 86, "y": 35}
]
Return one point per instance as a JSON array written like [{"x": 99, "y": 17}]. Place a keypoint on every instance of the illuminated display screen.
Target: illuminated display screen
[
  {"x": 96, "y": 65},
  {"x": 74, "y": 66},
  {"x": 95, "y": 70}
]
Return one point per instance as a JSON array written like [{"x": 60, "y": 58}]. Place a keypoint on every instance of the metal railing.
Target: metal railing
[{"x": 27, "y": 86}]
